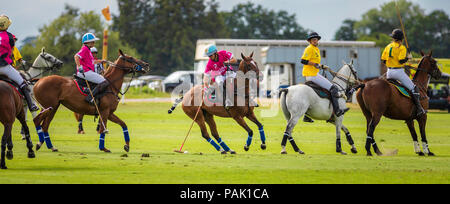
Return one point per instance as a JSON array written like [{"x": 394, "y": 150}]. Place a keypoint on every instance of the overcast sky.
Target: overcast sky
[{"x": 322, "y": 16}]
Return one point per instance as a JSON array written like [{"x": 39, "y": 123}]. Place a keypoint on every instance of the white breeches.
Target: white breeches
[
  {"x": 321, "y": 81},
  {"x": 92, "y": 77},
  {"x": 399, "y": 74},
  {"x": 12, "y": 74}
]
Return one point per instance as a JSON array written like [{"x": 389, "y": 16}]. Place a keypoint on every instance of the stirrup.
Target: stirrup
[
  {"x": 341, "y": 112},
  {"x": 307, "y": 119}
]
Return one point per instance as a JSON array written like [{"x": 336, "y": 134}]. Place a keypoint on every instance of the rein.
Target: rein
[{"x": 132, "y": 69}]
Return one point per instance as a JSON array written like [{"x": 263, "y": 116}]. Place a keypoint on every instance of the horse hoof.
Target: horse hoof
[
  {"x": 126, "y": 148},
  {"x": 283, "y": 152},
  {"x": 431, "y": 154},
  {"x": 369, "y": 154},
  {"x": 31, "y": 155},
  {"x": 223, "y": 152},
  {"x": 379, "y": 154},
  {"x": 3, "y": 167},
  {"x": 420, "y": 153},
  {"x": 343, "y": 153},
  {"x": 232, "y": 152},
  {"x": 246, "y": 148},
  {"x": 301, "y": 152},
  {"x": 54, "y": 149},
  {"x": 105, "y": 150},
  {"x": 354, "y": 150},
  {"x": 81, "y": 132},
  {"x": 263, "y": 146},
  {"x": 9, "y": 155}
]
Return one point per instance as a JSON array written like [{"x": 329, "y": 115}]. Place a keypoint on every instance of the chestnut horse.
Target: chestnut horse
[
  {"x": 379, "y": 98},
  {"x": 243, "y": 107},
  {"x": 10, "y": 108},
  {"x": 54, "y": 90}
]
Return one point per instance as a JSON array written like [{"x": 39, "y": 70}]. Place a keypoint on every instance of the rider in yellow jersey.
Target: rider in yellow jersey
[{"x": 395, "y": 56}]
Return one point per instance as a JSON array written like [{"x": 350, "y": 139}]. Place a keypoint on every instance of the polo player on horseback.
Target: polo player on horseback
[
  {"x": 216, "y": 70},
  {"x": 394, "y": 57},
  {"x": 7, "y": 44},
  {"x": 311, "y": 66},
  {"x": 86, "y": 66}
]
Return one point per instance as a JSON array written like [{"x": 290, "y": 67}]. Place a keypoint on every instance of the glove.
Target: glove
[
  {"x": 80, "y": 69},
  {"x": 409, "y": 56},
  {"x": 324, "y": 66}
]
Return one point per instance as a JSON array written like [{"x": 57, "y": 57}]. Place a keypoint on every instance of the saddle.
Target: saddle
[
  {"x": 82, "y": 86},
  {"x": 13, "y": 84},
  {"x": 401, "y": 88},
  {"x": 321, "y": 92}
]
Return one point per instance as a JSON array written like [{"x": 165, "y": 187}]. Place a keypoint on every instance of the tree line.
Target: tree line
[{"x": 164, "y": 32}]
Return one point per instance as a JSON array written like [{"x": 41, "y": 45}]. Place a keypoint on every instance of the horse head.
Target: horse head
[
  {"x": 131, "y": 64},
  {"x": 46, "y": 61},
  {"x": 248, "y": 64},
  {"x": 429, "y": 65}
]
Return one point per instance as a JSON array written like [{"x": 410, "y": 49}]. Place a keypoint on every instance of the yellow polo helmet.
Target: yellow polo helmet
[{"x": 5, "y": 22}]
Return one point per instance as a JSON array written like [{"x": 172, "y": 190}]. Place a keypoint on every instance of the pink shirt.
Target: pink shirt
[
  {"x": 5, "y": 49},
  {"x": 218, "y": 68},
  {"x": 86, "y": 59}
]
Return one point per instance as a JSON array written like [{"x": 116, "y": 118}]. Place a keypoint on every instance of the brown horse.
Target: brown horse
[
  {"x": 11, "y": 107},
  {"x": 242, "y": 108},
  {"x": 54, "y": 90},
  {"x": 379, "y": 98}
]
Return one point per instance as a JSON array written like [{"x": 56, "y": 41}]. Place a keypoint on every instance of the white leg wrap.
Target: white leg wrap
[{"x": 416, "y": 147}]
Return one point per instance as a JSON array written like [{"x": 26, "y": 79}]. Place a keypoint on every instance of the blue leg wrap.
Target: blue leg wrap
[
  {"x": 40, "y": 134},
  {"x": 47, "y": 140},
  {"x": 101, "y": 142},
  {"x": 213, "y": 144},
  {"x": 262, "y": 134},
  {"x": 126, "y": 135},
  {"x": 223, "y": 145},
  {"x": 249, "y": 139}
]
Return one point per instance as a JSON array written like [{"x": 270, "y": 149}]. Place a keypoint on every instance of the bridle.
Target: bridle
[
  {"x": 48, "y": 68},
  {"x": 351, "y": 83}
]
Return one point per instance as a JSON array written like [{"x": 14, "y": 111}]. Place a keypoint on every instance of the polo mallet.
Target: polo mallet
[
  {"x": 96, "y": 107},
  {"x": 401, "y": 24},
  {"x": 190, "y": 128}
]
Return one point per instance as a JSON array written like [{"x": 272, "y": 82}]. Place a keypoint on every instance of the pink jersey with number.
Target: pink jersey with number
[
  {"x": 218, "y": 68},
  {"x": 86, "y": 59}
]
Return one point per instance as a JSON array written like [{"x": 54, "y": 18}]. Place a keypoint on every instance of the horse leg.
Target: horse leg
[
  {"x": 6, "y": 133},
  {"x": 240, "y": 120},
  {"x": 79, "y": 118},
  {"x": 102, "y": 131},
  {"x": 412, "y": 130},
  {"x": 43, "y": 130},
  {"x": 262, "y": 135},
  {"x": 422, "y": 124},
  {"x": 287, "y": 135},
  {"x": 201, "y": 123},
  {"x": 29, "y": 144},
  {"x": 113, "y": 118},
  {"x": 349, "y": 138},
  {"x": 370, "y": 139},
  {"x": 212, "y": 126},
  {"x": 338, "y": 124}
]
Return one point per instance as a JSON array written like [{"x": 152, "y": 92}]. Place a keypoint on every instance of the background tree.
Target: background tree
[
  {"x": 251, "y": 21},
  {"x": 346, "y": 31},
  {"x": 166, "y": 31}
]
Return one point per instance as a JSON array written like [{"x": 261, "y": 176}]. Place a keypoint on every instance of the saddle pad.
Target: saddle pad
[
  {"x": 80, "y": 89},
  {"x": 400, "y": 88},
  {"x": 321, "y": 92},
  {"x": 12, "y": 84}
]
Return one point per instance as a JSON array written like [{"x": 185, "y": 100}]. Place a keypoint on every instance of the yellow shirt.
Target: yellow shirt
[
  {"x": 16, "y": 56},
  {"x": 393, "y": 53},
  {"x": 312, "y": 54}
]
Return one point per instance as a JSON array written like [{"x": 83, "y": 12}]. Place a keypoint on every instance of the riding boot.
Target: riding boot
[
  {"x": 98, "y": 89},
  {"x": 27, "y": 95},
  {"x": 416, "y": 99},
  {"x": 334, "y": 101}
]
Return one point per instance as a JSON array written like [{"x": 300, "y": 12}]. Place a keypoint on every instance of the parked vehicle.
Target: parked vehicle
[
  {"x": 178, "y": 77},
  {"x": 438, "y": 92}
]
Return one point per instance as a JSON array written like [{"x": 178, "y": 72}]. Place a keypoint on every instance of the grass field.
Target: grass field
[{"x": 155, "y": 132}]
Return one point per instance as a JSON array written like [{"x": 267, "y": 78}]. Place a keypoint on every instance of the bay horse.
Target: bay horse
[
  {"x": 248, "y": 74},
  {"x": 379, "y": 98},
  {"x": 52, "y": 91},
  {"x": 11, "y": 107},
  {"x": 301, "y": 99}
]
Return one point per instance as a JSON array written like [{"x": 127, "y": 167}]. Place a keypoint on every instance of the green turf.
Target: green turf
[{"x": 155, "y": 132}]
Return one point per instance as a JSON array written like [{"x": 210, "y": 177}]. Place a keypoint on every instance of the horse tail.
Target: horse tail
[
  {"x": 284, "y": 92},
  {"x": 177, "y": 101}
]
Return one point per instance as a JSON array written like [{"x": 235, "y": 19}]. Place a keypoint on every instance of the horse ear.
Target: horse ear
[
  {"x": 243, "y": 57},
  {"x": 421, "y": 52},
  {"x": 121, "y": 53},
  {"x": 251, "y": 56},
  {"x": 43, "y": 50},
  {"x": 431, "y": 53}
]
